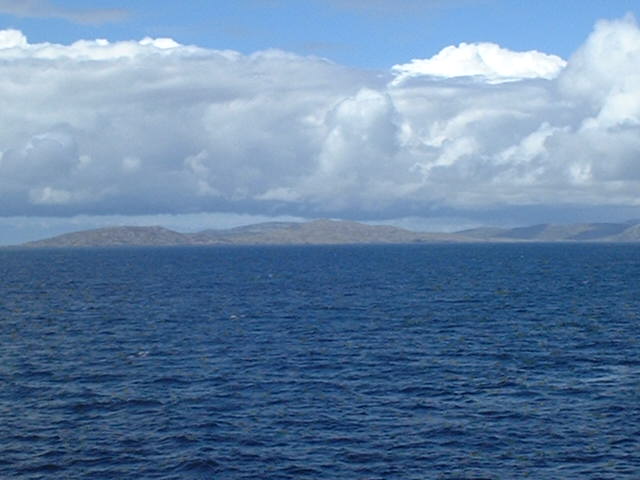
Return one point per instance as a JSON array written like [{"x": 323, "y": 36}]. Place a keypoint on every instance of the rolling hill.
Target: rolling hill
[{"x": 333, "y": 232}]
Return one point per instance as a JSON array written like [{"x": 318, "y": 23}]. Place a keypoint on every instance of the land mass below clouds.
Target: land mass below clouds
[{"x": 334, "y": 232}]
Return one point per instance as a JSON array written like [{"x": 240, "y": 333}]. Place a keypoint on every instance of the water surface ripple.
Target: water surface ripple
[{"x": 394, "y": 362}]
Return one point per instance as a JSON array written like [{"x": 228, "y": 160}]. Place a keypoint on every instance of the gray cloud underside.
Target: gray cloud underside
[
  {"x": 46, "y": 9},
  {"x": 156, "y": 128}
]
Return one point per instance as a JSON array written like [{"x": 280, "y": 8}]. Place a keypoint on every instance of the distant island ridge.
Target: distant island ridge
[{"x": 336, "y": 232}]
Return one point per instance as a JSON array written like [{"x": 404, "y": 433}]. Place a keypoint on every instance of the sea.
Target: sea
[{"x": 481, "y": 361}]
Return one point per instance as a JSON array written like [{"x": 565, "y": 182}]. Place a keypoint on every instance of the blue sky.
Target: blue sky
[
  {"x": 429, "y": 114},
  {"x": 368, "y": 34}
]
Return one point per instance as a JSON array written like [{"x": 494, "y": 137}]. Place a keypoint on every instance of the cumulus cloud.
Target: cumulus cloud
[
  {"x": 605, "y": 73},
  {"x": 486, "y": 60},
  {"x": 154, "y": 127},
  {"x": 46, "y": 9}
]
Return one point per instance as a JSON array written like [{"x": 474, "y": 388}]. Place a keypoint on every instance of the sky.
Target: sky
[{"x": 426, "y": 114}]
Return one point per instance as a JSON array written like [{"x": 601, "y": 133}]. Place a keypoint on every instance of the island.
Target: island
[{"x": 336, "y": 232}]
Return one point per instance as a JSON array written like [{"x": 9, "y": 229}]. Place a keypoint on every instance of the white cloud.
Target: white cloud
[
  {"x": 14, "y": 46},
  {"x": 605, "y": 73},
  {"x": 12, "y": 39},
  {"x": 487, "y": 61},
  {"x": 154, "y": 127}
]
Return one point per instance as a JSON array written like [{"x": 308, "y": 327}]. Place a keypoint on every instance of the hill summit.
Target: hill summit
[{"x": 333, "y": 232}]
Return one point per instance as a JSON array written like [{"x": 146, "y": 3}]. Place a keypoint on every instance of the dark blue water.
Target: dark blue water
[{"x": 399, "y": 362}]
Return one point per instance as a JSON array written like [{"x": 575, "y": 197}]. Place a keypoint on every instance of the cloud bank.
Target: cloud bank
[{"x": 154, "y": 127}]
